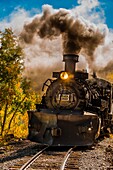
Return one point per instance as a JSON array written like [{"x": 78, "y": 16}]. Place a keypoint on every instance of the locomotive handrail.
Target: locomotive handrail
[{"x": 45, "y": 84}]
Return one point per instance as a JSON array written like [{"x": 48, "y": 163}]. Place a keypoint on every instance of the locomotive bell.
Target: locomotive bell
[{"x": 70, "y": 62}]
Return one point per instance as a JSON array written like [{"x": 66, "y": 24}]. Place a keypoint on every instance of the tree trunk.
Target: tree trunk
[
  {"x": 14, "y": 114},
  {"x": 4, "y": 118}
]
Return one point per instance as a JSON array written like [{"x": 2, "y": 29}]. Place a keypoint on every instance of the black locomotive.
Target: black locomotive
[{"x": 74, "y": 109}]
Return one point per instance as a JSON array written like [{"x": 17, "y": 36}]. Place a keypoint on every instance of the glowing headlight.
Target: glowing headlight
[
  {"x": 64, "y": 75},
  {"x": 89, "y": 129}
]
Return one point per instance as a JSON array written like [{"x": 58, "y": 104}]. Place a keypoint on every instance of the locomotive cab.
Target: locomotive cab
[{"x": 73, "y": 109}]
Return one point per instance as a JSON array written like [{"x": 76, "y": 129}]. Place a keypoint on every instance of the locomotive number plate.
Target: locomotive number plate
[{"x": 65, "y": 97}]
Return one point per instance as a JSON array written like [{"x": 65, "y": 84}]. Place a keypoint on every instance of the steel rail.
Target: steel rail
[
  {"x": 66, "y": 158},
  {"x": 33, "y": 159}
]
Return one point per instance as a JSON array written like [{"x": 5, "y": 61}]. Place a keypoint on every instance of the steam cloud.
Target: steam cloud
[{"x": 77, "y": 34}]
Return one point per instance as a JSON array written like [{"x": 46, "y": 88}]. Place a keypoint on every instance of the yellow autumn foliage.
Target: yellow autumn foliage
[{"x": 19, "y": 126}]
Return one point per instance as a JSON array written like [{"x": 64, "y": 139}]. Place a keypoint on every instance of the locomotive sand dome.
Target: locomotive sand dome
[{"x": 74, "y": 109}]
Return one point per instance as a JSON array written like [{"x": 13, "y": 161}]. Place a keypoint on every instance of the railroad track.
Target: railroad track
[
  {"x": 48, "y": 158},
  {"x": 53, "y": 160},
  {"x": 19, "y": 157},
  {"x": 33, "y": 159},
  {"x": 71, "y": 159}
]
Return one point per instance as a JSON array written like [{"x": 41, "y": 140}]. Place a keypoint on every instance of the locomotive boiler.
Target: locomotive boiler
[{"x": 74, "y": 109}]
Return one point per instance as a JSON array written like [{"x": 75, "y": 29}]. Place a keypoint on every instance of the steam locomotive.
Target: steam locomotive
[{"x": 74, "y": 109}]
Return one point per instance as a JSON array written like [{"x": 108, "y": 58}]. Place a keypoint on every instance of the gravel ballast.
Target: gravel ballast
[{"x": 99, "y": 157}]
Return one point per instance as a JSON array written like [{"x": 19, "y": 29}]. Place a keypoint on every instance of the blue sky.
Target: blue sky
[{"x": 8, "y": 6}]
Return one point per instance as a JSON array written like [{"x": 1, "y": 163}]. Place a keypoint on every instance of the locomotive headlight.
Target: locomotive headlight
[
  {"x": 89, "y": 129},
  {"x": 64, "y": 75}
]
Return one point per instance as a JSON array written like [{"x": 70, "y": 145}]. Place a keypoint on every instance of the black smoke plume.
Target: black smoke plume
[{"x": 77, "y": 34}]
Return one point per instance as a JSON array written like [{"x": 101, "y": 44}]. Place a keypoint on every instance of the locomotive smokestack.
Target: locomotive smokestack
[{"x": 70, "y": 62}]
